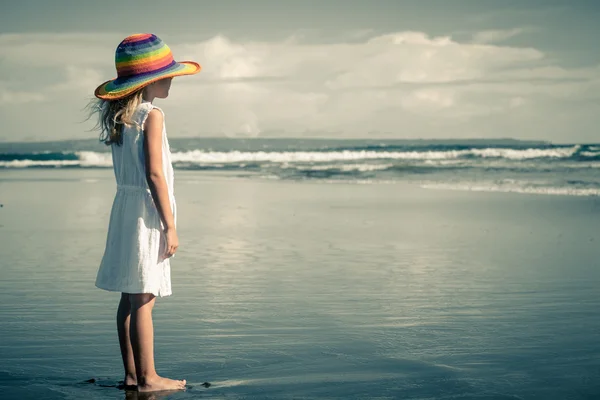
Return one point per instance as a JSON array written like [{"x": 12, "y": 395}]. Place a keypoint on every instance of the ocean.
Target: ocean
[
  {"x": 316, "y": 269},
  {"x": 477, "y": 165}
]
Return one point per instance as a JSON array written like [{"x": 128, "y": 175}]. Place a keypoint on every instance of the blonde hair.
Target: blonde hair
[{"x": 114, "y": 115}]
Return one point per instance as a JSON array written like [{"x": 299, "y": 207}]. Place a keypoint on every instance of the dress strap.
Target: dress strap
[{"x": 144, "y": 110}]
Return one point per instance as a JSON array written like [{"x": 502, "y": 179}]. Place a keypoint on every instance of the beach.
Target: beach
[{"x": 309, "y": 290}]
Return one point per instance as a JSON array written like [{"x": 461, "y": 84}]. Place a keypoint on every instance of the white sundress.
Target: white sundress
[{"x": 132, "y": 260}]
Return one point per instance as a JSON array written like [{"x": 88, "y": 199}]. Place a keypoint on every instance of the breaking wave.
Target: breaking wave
[
  {"x": 86, "y": 159},
  {"x": 561, "y": 168}
]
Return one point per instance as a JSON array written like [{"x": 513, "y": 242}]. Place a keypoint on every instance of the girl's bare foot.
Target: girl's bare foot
[
  {"x": 129, "y": 381},
  {"x": 157, "y": 383}
]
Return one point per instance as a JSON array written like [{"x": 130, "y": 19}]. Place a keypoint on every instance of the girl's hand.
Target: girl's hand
[{"x": 172, "y": 242}]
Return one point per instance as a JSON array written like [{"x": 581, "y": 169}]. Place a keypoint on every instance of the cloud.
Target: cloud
[
  {"x": 57, "y": 49},
  {"x": 405, "y": 83},
  {"x": 360, "y": 84},
  {"x": 9, "y": 97},
  {"x": 428, "y": 99},
  {"x": 496, "y": 36},
  {"x": 404, "y": 57},
  {"x": 81, "y": 79}
]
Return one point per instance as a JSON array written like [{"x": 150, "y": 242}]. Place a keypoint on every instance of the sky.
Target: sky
[{"x": 403, "y": 69}]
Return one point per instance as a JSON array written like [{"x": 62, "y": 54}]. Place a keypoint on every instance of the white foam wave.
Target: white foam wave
[
  {"x": 351, "y": 157},
  {"x": 514, "y": 187},
  {"x": 31, "y": 163},
  {"x": 525, "y": 154},
  {"x": 590, "y": 153},
  {"x": 85, "y": 159},
  {"x": 346, "y": 167},
  {"x": 210, "y": 157},
  {"x": 94, "y": 159}
]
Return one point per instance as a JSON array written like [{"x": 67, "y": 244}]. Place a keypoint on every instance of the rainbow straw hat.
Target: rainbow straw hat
[{"x": 140, "y": 60}]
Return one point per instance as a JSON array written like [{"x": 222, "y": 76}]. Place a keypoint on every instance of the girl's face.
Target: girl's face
[{"x": 161, "y": 88}]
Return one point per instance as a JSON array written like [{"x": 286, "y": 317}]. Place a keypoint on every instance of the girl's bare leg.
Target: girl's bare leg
[
  {"x": 123, "y": 318},
  {"x": 142, "y": 343}
]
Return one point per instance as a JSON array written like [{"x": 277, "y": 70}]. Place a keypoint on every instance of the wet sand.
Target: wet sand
[{"x": 309, "y": 290}]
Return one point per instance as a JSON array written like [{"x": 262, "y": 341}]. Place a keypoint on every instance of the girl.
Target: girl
[{"x": 141, "y": 234}]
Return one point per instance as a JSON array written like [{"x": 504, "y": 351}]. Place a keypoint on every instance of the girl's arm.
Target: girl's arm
[{"x": 156, "y": 178}]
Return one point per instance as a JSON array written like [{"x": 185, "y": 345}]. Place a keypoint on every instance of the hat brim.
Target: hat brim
[{"x": 122, "y": 87}]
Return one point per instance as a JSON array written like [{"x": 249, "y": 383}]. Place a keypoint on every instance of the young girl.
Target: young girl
[{"x": 141, "y": 234}]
